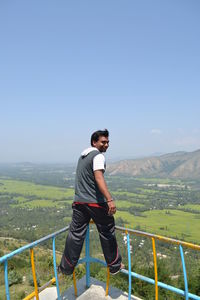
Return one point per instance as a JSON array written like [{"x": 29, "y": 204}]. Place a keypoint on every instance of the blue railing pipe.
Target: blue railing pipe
[
  {"x": 6, "y": 279},
  {"x": 32, "y": 245},
  {"x": 55, "y": 268},
  {"x": 4, "y": 259},
  {"x": 184, "y": 272},
  {"x": 129, "y": 265},
  {"x": 88, "y": 259}
]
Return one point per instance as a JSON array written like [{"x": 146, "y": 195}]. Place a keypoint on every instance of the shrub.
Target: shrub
[
  {"x": 14, "y": 277},
  {"x": 30, "y": 280}
]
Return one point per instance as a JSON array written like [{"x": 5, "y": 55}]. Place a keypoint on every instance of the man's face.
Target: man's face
[{"x": 102, "y": 144}]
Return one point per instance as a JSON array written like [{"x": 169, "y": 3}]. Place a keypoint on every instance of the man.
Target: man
[{"x": 92, "y": 200}]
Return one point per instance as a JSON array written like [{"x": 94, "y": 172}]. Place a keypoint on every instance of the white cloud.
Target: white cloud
[
  {"x": 196, "y": 131},
  {"x": 188, "y": 141},
  {"x": 156, "y": 131}
]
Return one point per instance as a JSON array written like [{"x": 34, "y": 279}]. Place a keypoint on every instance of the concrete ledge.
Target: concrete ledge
[
  {"x": 96, "y": 291},
  {"x": 49, "y": 293}
]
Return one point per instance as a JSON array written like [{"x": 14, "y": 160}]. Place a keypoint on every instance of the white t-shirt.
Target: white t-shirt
[{"x": 99, "y": 161}]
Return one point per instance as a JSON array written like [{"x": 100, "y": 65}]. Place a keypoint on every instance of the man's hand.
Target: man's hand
[{"x": 111, "y": 207}]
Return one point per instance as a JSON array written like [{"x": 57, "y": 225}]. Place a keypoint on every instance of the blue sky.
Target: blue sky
[{"x": 68, "y": 68}]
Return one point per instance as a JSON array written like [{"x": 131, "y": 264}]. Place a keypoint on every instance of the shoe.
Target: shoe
[{"x": 115, "y": 272}]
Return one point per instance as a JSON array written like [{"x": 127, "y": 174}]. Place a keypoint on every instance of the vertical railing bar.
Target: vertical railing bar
[
  {"x": 184, "y": 272},
  {"x": 6, "y": 279},
  {"x": 55, "y": 268},
  {"x": 87, "y": 253},
  {"x": 107, "y": 281},
  {"x": 155, "y": 268},
  {"x": 75, "y": 286},
  {"x": 129, "y": 265},
  {"x": 88, "y": 259},
  {"x": 34, "y": 274}
]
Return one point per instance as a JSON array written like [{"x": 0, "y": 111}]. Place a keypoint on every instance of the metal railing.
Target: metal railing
[
  {"x": 88, "y": 259},
  {"x": 4, "y": 259},
  {"x": 185, "y": 293}
]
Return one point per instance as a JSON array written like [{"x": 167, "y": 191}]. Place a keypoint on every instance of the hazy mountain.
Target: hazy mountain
[{"x": 178, "y": 165}]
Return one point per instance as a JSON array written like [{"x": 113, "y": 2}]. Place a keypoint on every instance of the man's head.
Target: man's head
[{"x": 99, "y": 140}]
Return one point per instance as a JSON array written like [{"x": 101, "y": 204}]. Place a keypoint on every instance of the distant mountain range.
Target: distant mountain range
[{"x": 181, "y": 164}]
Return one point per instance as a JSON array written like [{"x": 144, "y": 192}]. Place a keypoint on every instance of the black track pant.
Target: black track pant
[{"x": 82, "y": 213}]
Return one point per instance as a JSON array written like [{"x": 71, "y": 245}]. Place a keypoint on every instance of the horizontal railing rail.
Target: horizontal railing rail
[
  {"x": 4, "y": 259},
  {"x": 155, "y": 281},
  {"x": 88, "y": 260},
  {"x": 32, "y": 245},
  {"x": 159, "y": 237}
]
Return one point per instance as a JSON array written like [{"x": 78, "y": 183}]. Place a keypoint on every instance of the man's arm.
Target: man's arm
[{"x": 99, "y": 178}]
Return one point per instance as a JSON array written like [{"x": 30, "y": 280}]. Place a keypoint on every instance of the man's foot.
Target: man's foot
[{"x": 114, "y": 272}]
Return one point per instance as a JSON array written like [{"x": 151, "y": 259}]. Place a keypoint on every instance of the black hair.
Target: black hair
[{"x": 96, "y": 135}]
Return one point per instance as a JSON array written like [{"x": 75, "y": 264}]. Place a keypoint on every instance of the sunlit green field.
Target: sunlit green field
[
  {"x": 174, "y": 223},
  {"x": 171, "y": 223},
  {"x": 161, "y": 180},
  {"x": 129, "y": 194},
  {"x": 41, "y": 203},
  {"x": 127, "y": 204},
  {"x": 31, "y": 189},
  {"x": 192, "y": 206},
  {"x": 32, "y": 195},
  {"x": 147, "y": 192}
]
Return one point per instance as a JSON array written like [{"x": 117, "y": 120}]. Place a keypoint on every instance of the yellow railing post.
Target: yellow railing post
[
  {"x": 155, "y": 268},
  {"x": 75, "y": 287},
  {"x": 107, "y": 281},
  {"x": 34, "y": 274}
]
